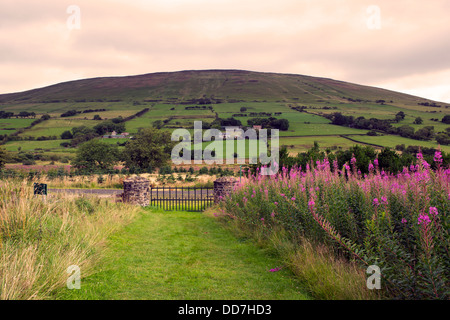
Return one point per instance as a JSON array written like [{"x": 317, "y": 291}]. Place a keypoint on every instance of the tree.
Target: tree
[
  {"x": 66, "y": 135},
  {"x": 243, "y": 109},
  {"x": 24, "y": 114},
  {"x": 158, "y": 124},
  {"x": 446, "y": 119},
  {"x": 95, "y": 154},
  {"x": 82, "y": 134},
  {"x": 418, "y": 120},
  {"x": 150, "y": 148},
  {"x": 281, "y": 124},
  {"x": 109, "y": 126},
  {"x": 400, "y": 116},
  {"x": 97, "y": 117},
  {"x": 443, "y": 138},
  {"x": 230, "y": 122},
  {"x": 406, "y": 131},
  {"x": 425, "y": 133},
  {"x": 69, "y": 113}
]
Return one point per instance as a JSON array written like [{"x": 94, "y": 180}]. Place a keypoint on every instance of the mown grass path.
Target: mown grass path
[{"x": 181, "y": 255}]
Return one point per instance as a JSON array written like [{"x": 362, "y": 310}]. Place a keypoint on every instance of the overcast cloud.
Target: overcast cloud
[{"x": 329, "y": 38}]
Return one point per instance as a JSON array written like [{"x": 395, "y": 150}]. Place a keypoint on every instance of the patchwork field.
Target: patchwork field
[{"x": 178, "y": 99}]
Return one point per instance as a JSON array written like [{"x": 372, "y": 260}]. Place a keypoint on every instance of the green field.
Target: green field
[
  {"x": 391, "y": 141},
  {"x": 221, "y": 93},
  {"x": 55, "y": 127},
  {"x": 33, "y": 145}
]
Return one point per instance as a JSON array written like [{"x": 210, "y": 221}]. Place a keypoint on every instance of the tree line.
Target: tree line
[
  {"x": 21, "y": 114},
  {"x": 388, "y": 159},
  {"x": 425, "y": 133},
  {"x": 149, "y": 149}
]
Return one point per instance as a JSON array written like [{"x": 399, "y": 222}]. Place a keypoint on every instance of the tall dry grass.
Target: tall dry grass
[{"x": 40, "y": 238}]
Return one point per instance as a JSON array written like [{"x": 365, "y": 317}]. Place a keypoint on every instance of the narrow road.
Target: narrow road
[{"x": 89, "y": 191}]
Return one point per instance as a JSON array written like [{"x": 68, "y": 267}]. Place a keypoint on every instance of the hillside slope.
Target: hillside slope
[{"x": 218, "y": 85}]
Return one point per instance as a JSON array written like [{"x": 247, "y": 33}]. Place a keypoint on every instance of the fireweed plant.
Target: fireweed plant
[{"x": 398, "y": 222}]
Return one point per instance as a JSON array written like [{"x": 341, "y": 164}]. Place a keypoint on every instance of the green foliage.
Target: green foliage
[
  {"x": 397, "y": 222},
  {"x": 66, "y": 135},
  {"x": 165, "y": 170},
  {"x": 425, "y": 133},
  {"x": 82, "y": 134},
  {"x": 389, "y": 160},
  {"x": 270, "y": 123},
  {"x": 203, "y": 170},
  {"x": 158, "y": 124},
  {"x": 69, "y": 113},
  {"x": 96, "y": 154},
  {"x": 150, "y": 148},
  {"x": 3, "y": 157},
  {"x": 446, "y": 119},
  {"x": 109, "y": 126},
  {"x": 418, "y": 120},
  {"x": 84, "y": 205},
  {"x": 443, "y": 138},
  {"x": 400, "y": 116}
]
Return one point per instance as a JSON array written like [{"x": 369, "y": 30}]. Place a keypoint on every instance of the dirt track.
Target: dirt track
[{"x": 101, "y": 192}]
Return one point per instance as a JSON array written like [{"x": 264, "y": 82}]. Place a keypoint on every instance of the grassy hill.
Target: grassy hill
[
  {"x": 222, "y": 85},
  {"x": 170, "y": 96}
]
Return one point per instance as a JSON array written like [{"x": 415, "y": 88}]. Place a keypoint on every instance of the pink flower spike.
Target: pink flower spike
[
  {"x": 433, "y": 211},
  {"x": 423, "y": 219},
  {"x": 376, "y": 202},
  {"x": 404, "y": 221},
  {"x": 293, "y": 199},
  {"x": 438, "y": 156}
]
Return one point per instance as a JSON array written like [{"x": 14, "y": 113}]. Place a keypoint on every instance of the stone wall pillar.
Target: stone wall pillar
[
  {"x": 137, "y": 191},
  {"x": 222, "y": 187}
]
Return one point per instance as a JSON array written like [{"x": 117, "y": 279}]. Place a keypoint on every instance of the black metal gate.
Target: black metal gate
[{"x": 182, "y": 198}]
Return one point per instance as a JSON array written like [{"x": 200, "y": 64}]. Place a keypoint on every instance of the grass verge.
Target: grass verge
[
  {"x": 185, "y": 256},
  {"x": 40, "y": 238},
  {"x": 324, "y": 276}
]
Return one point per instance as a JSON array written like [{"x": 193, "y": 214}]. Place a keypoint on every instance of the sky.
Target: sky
[{"x": 398, "y": 45}]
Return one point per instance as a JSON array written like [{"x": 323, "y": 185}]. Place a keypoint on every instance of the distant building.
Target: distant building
[
  {"x": 232, "y": 127},
  {"x": 257, "y": 127},
  {"x": 114, "y": 135},
  {"x": 235, "y": 132}
]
